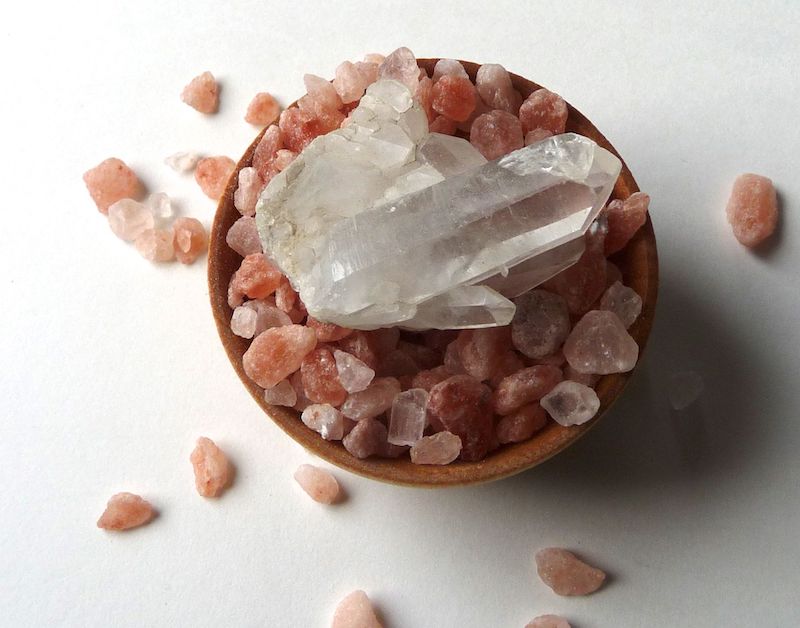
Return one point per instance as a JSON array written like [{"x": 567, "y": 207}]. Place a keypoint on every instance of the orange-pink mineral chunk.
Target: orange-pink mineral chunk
[
  {"x": 522, "y": 424},
  {"x": 400, "y": 65},
  {"x": 548, "y": 621},
  {"x": 600, "y": 344},
  {"x": 128, "y": 219},
  {"x": 509, "y": 364},
  {"x": 212, "y": 471},
  {"x": 277, "y": 353},
  {"x": 354, "y": 375},
  {"x": 427, "y": 379},
  {"x": 541, "y": 323},
  {"x": 454, "y": 97},
  {"x": 189, "y": 239},
  {"x": 495, "y": 89},
  {"x": 624, "y": 220},
  {"x": 281, "y": 394},
  {"x": 299, "y": 127},
  {"x": 752, "y": 209},
  {"x": 355, "y": 611},
  {"x": 367, "y": 438},
  {"x": 583, "y": 283},
  {"x": 156, "y": 245},
  {"x": 110, "y": 181},
  {"x": 524, "y": 387},
  {"x": 265, "y": 151},
  {"x": 361, "y": 344},
  {"x": 267, "y": 315},
  {"x": 448, "y": 67},
  {"x": 202, "y": 93},
  {"x": 262, "y": 110},
  {"x": 496, "y": 133},
  {"x": 246, "y": 194},
  {"x": 439, "y": 448},
  {"x": 212, "y": 174},
  {"x": 544, "y": 110},
  {"x": 462, "y": 405},
  {"x": 243, "y": 238},
  {"x": 321, "y": 378},
  {"x": 322, "y": 91},
  {"x": 373, "y": 401},
  {"x": 320, "y": 485},
  {"x": 328, "y": 332},
  {"x": 285, "y": 296},
  {"x": 125, "y": 511},
  {"x": 566, "y": 574},
  {"x": 481, "y": 350},
  {"x": 324, "y": 419},
  {"x": 257, "y": 277}
]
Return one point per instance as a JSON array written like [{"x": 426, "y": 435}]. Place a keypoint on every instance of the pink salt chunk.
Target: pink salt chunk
[
  {"x": 328, "y": 332},
  {"x": 429, "y": 378},
  {"x": 536, "y": 136},
  {"x": 243, "y": 238},
  {"x": 623, "y": 301},
  {"x": 362, "y": 345},
  {"x": 281, "y": 394},
  {"x": 454, "y": 97},
  {"x": 257, "y": 277},
  {"x": 448, "y": 67},
  {"x": 438, "y": 339},
  {"x": 321, "y": 378},
  {"x": 582, "y": 284},
  {"x": 524, "y": 387},
  {"x": 235, "y": 295},
  {"x": 510, "y": 363},
  {"x": 296, "y": 380},
  {"x": 462, "y": 405},
  {"x": 212, "y": 471},
  {"x": 189, "y": 239},
  {"x": 496, "y": 133},
  {"x": 355, "y": 611},
  {"x": 613, "y": 274},
  {"x": 265, "y": 151},
  {"x": 369, "y": 71},
  {"x": 110, "y": 181},
  {"x": 277, "y": 353},
  {"x": 322, "y": 91},
  {"x": 544, "y": 110},
  {"x": 320, "y": 485},
  {"x": 548, "y": 621},
  {"x": 624, "y": 220},
  {"x": 425, "y": 97},
  {"x": 522, "y": 424},
  {"x": 243, "y": 322},
  {"x": 156, "y": 245},
  {"x": 267, "y": 315},
  {"x": 367, "y": 438},
  {"x": 329, "y": 118},
  {"x": 440, "y": 448},
  {"x": 299, "y": 127},
  {"x": 452, "y": 358},
  {"x": 372, "y": 401},
  {"x": 354, "y": 375},
  {"x": 400, "y": 65},
  {"x": 246, "y": 194},
  {"x": 128, "y": 219},
  {"x": 480, "y": 350},
  {"x": 493, "y": 83},
  {"x": 541, "y": 323},
  {"x": 285, "y": 296},
  {"x": 283, "y": 158},
  {"x": 212, "y": 174},
  {"x": 443, "y": 125},
  {"x": 202, "y": 93},
  {"x": 324, "y": 419},
  {"x": 349, "y": 82},
  {"x": 571, "y": 403},
  {"x": 125, "y": 511},
  {"x": 566, "y": 574},
  {"x": 752, "y": 209},
  {"x": 262, "y": 110},
  {"x": 600, "y": 344}
]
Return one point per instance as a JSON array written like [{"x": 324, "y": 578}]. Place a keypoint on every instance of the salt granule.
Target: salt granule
[
  {"x": 110, "y": 181},
  {"x": 320, "y": 485},
  {"x": 125, "y": 511},
  {"x": 212, "y": 471},
  {"x": 355, "y": 611},
  {"x": 202, "y": 93},
  {"x": 566, "y": 574}
]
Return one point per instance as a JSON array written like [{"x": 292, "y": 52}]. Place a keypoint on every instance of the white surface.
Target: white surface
[{"x": 111, "y": 367}]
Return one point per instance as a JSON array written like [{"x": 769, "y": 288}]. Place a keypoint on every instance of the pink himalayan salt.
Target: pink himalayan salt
[
  {"x": 184, "y": 161},
  {"x": 369, "y": 71},
  {"x": 328, "y": 332},
  {"x": 285, "y": 296},
  {"x": 440, "y": 448},
  {"x": 329, "y": 118},
  {"x": 243, "y": 322},
  {"x": 613, "y": 274},
  {"x": 452, "y": 358},
  {"x": 752, "y": 209},
  {"x": 110, "y": 181},
  {"x": 541, "y": 323},
  {"x": 448, "y": 67},
  {"x": 544, "y": 110},
  {"x": 374, "y": 57},
  {"x": 355, "y": 611},
  {"x": 324, "y": 419},
  {"x": 212, "y": 471},
  {"x": 407, "y": 419},
  {"x": 599, "y": 344},
  {"x": 283, "y": 158},
  {"x": 353, "y": 374},
  {"x": 202, "y": 93},
  {"x": 524, "y": 387},
  {"x": 372, "y": 401},
  {"x": 429, "y": 378},
  {"x": 548, "y": 621},
  {"x": 262, "y": 110},
  {"x": 160, "y": 205},
  {"x": 320, "y": 485},
  {"x": 322, "y": 91},
  {"x": 462, "y": 405},
  {"x": 297, "y": 315},
  {"x": 235, "y": 295},
  {"x": 587, "y": 379},
  {"x": 321, "y": 378},
  {"x": 493, "y": 83},
  {"x": 507, "y": 365},
  {"x": 522, "y": 424},
  {"x": 480, "y": 350},
  {"x": 566, "y": 574},
  {"x": 156, "y": 245},
  {"x": 583, "y": 283},
  {"x": 537, "y": 135},
  {"x": 267, "y": 315},
  {"x": 496, "y": 133},
  {"x": 277, "y": 353},
  {"x": 480, "y": 109},
  {"x": 296, "y": 380},
  {"x": 125, "y": 511},
  {"x": 299, "y": 127},
  {"x": 189, "y": 239},
  {"x": 128, "y": 219},
  {"x": 246, "y": 194},
  {"x": 624, "y": 220},
  {"x": 243, "y": 238},
  {"x": 623, "y": 301},
  {"x": 257, "y": 277},
  {"x": 263, "y": 156},
  {"x": 212, "y": 174},
  {"x": 349, "y": 82},
  {"x": 367, "y": 438},
  {"x": 425, "y": 97},
  {"x": 363, "y": 345},
  {"x": 454, "y": 97},
  {"x": 571, "y": 403},
  {"x": 396, "y": 364},
  {"x": 443, "y": 125},
  {"x": 400, "y": 65},
  {"x": 281, "y": 394}
]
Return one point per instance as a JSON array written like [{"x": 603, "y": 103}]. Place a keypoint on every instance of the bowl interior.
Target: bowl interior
[{"x": 638, "y": 263}]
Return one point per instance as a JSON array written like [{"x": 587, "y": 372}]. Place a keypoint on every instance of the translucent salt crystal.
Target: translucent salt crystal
[
  {"x": 522, "y": 424},
  {"x": 326, "y": 118},
  {"x": 544, "y": 110},
  {"x": 281, "y": 394},
  {"x": 257, "y": 277},
  {"x": 212, "y": 174},
  {"x": 454, "y": 97},
  {"x": 212, "y": 471},
  {"x": 372, "y": 401},
  {"x": 548, "y": 621},
  {"x": 374, "y": 57},
  {"x": 424, "y": 96},
  {"x": 684, "y": 389},
  {"x": 355, "y": 611},
  {"x": 349, "y": 82},
  {"x": 449, "y": 155},
  {"x": 156, "y": 245},
  {"x": 268, "y": 145},
  {"x": 262, "y": 110},
  {"x": 320, "y": 485},
  {"x": 401, "y": 66},
  {"x": 367, "y": 438},
  {"x": 362, "y": 345},
  {"x": 277, "y": 353},
  {"x": 243, "y": 238},
  {"x": 462, "y": 405},
  {"x": 296, "y": 380},
  {"x": 571, "y": 403},
  {"x": 110, "y": 181},
  {"x": 325, "y": 419},
  {"x": 452, "y": 359},
  {"x": 183, "y": 161},
  {"x": 283, "y": 158},
  {"x": 267, "y": 315},
  {"x": 566, "y": 574},
  {"x": 524, "y": 387},
  {"x": 128, "y": 219},
  {"x": 188, "y": 239},
  {"x": 328, "y": 332},
  {"x": 125, "y": 511},
  {"x": 537, "y": 135},
  {"x": 299, "y": 127},
  {"x": 583, "y": 283},
  {"x": 752, "y": 209},
  {"x": 247, "y": 191},
  {"x": 624, "y": 220},
  {"x": 541, "y": 323},
  {"x": 243, "y": 322},
  {"x": 202, "y": 93},
  {"x": 322, "y": 91},
  {"x": 321, "y": 378},
  {"x": 448, "y": 67},
  {"x": 600, "y": 344},
  {"x": 160, "y": 205},
  {"x": 440, "y": 448},
  {"x": 407, "y": 419},
  {"x": 623, "y": 301},
  {"x": 495, "y": 89},
  {"x": 496, "y": 133},
  {"x": 354, "y": 375}
]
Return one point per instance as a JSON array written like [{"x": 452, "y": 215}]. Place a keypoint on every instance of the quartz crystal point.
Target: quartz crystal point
[{"x": 382, "y": 223}]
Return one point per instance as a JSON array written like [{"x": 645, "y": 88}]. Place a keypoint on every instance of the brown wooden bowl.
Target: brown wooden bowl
[{"x": 638, "y": 263}]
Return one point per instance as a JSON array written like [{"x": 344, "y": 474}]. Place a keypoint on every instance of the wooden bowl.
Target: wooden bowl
[{"x": 639, "y": 265}]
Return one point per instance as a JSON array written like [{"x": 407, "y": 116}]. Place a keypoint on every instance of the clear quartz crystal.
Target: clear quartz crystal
[
  {"x": 424, "y": 219},
  {"x": 408, "y": 419}
]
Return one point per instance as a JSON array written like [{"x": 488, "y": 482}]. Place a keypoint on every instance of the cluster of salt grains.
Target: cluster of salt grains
[{"x": 440, "y": 395}]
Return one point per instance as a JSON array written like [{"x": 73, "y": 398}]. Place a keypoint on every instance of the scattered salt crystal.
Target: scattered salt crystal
[
  {"x": 160, "y": 206},
  {"x": 541, "y": 323},
  {"x": 270, "y": 143},
  {"x": 296, "y": 380},
  {"x": 407, "y": 419},
  {"x": 189, "y": 239},
  {"x": 267, "y": 315},
  {"x": 367, "y": 438},
  {"x": 462, "y": 405},
  {"x": 548, "y": 621},
  {"x": 128, "y": 219},
  {"x": 427, "y": 379},
  {"x": 752, "y": 209},
  {"x": 372, "y": 401},
  {"x": 496, "y": 133},
  {"x": 110, "y": 181},
  {"x": 183, "y": 162},
  {"x": 321, "y": 378},
  {"x": 684, "y": 389},
  {"x": 281, "y": 394},
  {"x": 125, "y": 511},
  {"x": 544, "y": 110},
  {"x": 522, "y": 424},
  {"x": 247, "y": 191},
  {"x": 524, "y": 387},
  {"x": 202, "y": 93},
  {"x": 156, "y": 245},
  {"x": 262, "y": 110},
  {"x": 257, "y": 277},
  {"x": 566, "y": 574},
  {"x": 623, "y": 301},
  {"x": 320, "y": 485},
  {"x": 325, "y": 419},
  {"x": 440, "y": 448},
  {"x": 571, "y": 403},
  {"x": 583, "y": 283},
  {"x": 454, "y": 97},
  {"x": 448, "y": 67},
  {"x": 212, "y": 471},
  {"x": 400, "y": 65},
  {"x": 277, "y": 353},
  {"x": 355, "y": 611},
  {"x": 537, "y": 135},
  {"x": 243, "y": 322},
  {"x": 328, "y": 332},
  {"x": 243, "y": 238},
  {"x": 354, "y": 375},
  {"x": 599, "y": 344},
  {"x": 624, "y": 220},
  {"x": 493, "y": 83},
  {"x": 212, "y": 174},
  {"x": 349, "y": 82}
]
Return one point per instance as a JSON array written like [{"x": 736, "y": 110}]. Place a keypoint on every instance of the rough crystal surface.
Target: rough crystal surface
[
  {"x": 212, "y": 175},
  {"x": 367, "y": 438},
  {"x": 566, "y": 574},
  {"x": 321, "y": 378},
  {"x": 544, "y": 110},
  {"x": 320, "y": 485},
  {"x": 448, "y": 67},
  {"x": 183, "y": 161},
  {"x": 156, "y": 245},
  {"x": 202, "y": 93},
  {"x": 243, "y": 238},
  {"x": 372, "y": 401},
  {"x": 571, "y": 403},
  {"x": 325, "y": 419},
  {"x": 524, "y": 387},
  {"x": 600, "y": 344},
  {"x": 355, "y": 611},
  {"x": 247, "y": 191},
  {"x": 624, "y": 220},
  {"x": 752, "y": 209},
  {"x": 462, "y": 405},
  {"x": 407, "y": 419},
  {"x": 212, "y": 471},
  {"x": 125, "y": 511},
  {"x": 262, "y": 110},
  {"x": 496, "y": 133},
  {"x": 354, "y": 375},
  {"x": 128, "y": 219},
  {"x": 522, "y": 424},
  {"x": 623, "y": 301},
  {"x": 110, "y": 181},
  {"x": 439, "y": 448},
  {"x": 188, "y": 239}
]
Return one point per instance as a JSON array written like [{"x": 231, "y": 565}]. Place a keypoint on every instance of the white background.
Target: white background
[{"x": 111, "y": 367}]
